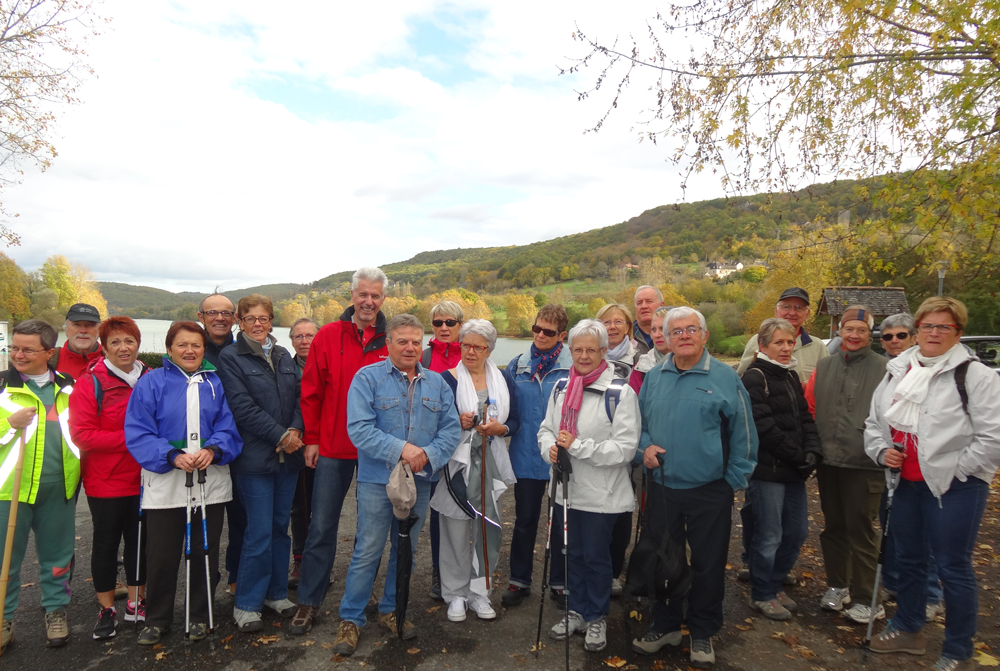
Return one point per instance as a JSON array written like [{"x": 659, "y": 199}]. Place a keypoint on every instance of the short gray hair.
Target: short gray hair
[
  {"x": 767, "y": 328},
  {"x": 662, "y": 311},
  {"x": 302, "y": 320},
  {"x": 683, "y": 312},
  {"x": 899, "y": 320},
  {"x": 482, "y": 328},
  {"x": 44, "y": 330},
  {"x": 403, "y": 321},
  {"x": 371, "y": 275},
  {"x": 589, "y": 327},
  {"x": 448, "y": 309},
  {"x": 659, "y": 294}
]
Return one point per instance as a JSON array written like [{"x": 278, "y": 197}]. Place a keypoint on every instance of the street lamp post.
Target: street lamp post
[{"x": 940, "y": 278}]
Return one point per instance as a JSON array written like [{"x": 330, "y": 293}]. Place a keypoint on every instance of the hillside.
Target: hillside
[{"x": 151, "y": 303}]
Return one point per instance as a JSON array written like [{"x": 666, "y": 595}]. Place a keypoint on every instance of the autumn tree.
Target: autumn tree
[
  {"x": 13, "y": 303},
  {"x": 520, "y": 311}
]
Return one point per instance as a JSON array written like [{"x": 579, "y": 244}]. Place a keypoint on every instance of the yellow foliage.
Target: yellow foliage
[
  {"x": 671, "y": 297},
  {"x": 291, "y": 312},
  {"x": 520, "y": 311},
  {"x": 810, "y": 270},
  {"x": 330, "y": 312},
  {"x": 396, "y": 306}
]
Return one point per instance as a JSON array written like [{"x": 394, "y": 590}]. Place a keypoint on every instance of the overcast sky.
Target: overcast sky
[{"x": 237, "y": 143}]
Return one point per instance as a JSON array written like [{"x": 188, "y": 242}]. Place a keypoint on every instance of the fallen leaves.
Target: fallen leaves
[
  {"x": 615, "y": 662},
  {"x": 743, "y": 627},
  {"x": 433, "y": 609},
  {"x": 635, "y": 615},
  {"x": 306, "y": 644},
  {"x": 227, "y": 639},
  {"x": 268, "y": 639},
  {"x": 413, "y": 651},
  {"x": 325, "y": 646},
  {"x": 986, "y": 660},
  {"x": 659, "y": 665},
  {"x": 160, "y": 656}
]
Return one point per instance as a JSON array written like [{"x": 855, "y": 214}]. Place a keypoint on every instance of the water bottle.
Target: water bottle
[{"x": 492, "y": 411}]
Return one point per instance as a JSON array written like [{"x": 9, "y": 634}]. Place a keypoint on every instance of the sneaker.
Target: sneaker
[
  {"x": 514, "y": 596},
  {"x": 702, "y": 653},
  {"x": 835, "y": 598},
  {"x": 57, "y": 628},
  {"x": 787, "y": 602},
  {"x": 197, "y": 631},
  {"x": 388, "y": 620},
  {"x": 616, "y": 587},
  {"x": 435, "y": 592},
  {"x": 107, "y": 624},
  {"x": 7, "y": 635},
  {"x": 933, "y": 610},
  {"x": 295, "y": 573},
  {"x": 152, "y": 635},
  {"x": 596, "y": 638},
  {"x": 861, "y": 613},
  {"x": 895, "y": 640},
  {"x": 456, "y": 610},
  {"x": 302, "y": 621},
  {"x": 481, "y": 606},
  {"x": 743, "y": 574},
  {"x": 771, "y": 609},
  {"x": 135, "y": 610},
  {"x": 247, "y": 620},
  {"x": 283, "y": 607},
  {"x": 347, "y": 638},
  {"x": 559, "y": 596},
  {"x": 946, "y": 664},
  {"x": 576, "y": 625},
  {"x": 652, "y": 641}
]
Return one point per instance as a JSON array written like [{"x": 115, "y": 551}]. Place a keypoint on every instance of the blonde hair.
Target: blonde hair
[
  {"x": 612, "y": 307},
  {"x": 448, "y": 309},
  {"x": 953, "y": 306}
]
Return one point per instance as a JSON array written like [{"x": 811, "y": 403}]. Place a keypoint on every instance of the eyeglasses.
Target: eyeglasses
[
  {"x": 26, "y": 351},
  {"x": 852, "y": 330},
  {"x": 579, "y": 351},
  {"x": 249, "y": 321},
  {"x": 898, "y": 336},
  {"x": 940, "y": 328},
  {"x": 450, "y": 323},
  {"x": 228, "y": 314},
  {"x": 549, "y": 333},
  {"x": 614, "y": 322},
  {"x": 475, "y": 349},
  {"x": 690, "y": 330},
  {"x": 304, "y": 336},
  {"x": 796, "y": 308}
]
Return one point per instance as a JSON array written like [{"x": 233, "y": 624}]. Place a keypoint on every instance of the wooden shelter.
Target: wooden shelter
[{"x": 882, "y": 301}]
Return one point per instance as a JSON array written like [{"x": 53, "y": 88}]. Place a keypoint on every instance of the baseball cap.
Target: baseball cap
[
  {"x": 402, "y": 490},
  {"x": 794, "y": 292},
  {"x": 81, "y": 312}
]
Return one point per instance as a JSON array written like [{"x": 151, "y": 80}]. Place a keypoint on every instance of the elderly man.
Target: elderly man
[
  {"x": 697, "y": 422},
  {"x": 338, "y": 351},
  {"x": 398, "y": 410},
  {"x": 793, "y": 307},
  {"x": 81, "y": 348},
  {"x": 302, "y": 333},
  {"x": 647, "y": 300},
  {"x": 217, "y": 314}
]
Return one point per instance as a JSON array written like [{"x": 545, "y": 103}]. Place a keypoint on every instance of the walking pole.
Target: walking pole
[
  {"x": 482, "y": 503},
  {"x": 566, "y": 469},
  {"x": 138, "y": 562},
  {"x": 189, "y": 485},
  {"x": 545, "y": 561},
  {"x": 208, "y": 573},
  {"x": 8, "y": 545},
  {"x": 893, "y": 482}
]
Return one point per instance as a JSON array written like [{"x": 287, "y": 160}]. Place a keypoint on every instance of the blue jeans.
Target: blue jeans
[
  {"x": 950, "y": 526},
  {"x": 236, "y": 523},
  {"x": 267, "y": 499},
  {"x": 890, "y": 572},
  {"x": 590, "y": 563},
  {"x": 333, "y": 479},
  {"x": 376, "y": 522},
  {"x": 780, "y": 527}
]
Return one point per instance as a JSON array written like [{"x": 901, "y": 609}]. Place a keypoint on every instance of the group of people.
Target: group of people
[{"x": 274, "y": 440}]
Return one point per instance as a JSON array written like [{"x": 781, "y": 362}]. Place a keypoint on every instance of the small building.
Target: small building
[
  {"x": 724, "y": 269},
  {"x": 882, "y": 301}
]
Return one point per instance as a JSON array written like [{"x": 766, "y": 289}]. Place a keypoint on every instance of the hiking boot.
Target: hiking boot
[
  {"x": 702, "y": 653},
  {"x": 283, "y": 607},
  {"x": 576, "y": 625},
  {"x": 198, "y": 631},
  {"x": 743, "y": 574},
  {"x": 152, "y": 635},
  {"x": 895, "y": 640},
  {"x": 388, "y": 620},
  {"x": 295, "y": 573},
  {"x": 7, "y": 635},
  {"x": 596, "y": 638},
  {"x": 861, "y": 613},
  {"x": 347, "y": 638},
  {"x": 652, "y": 641},
  {"x": 107, "y": 624},
  {"x": 771, "y": 609},
  {"x": 371, "y": 610},
  {"x": 787, "y": 602},
  {"x": 57, "y": 628},
  {"x": 481, "y": 606},
  {"x": 946, "y": 664},
  {"x": 135, "y": 610},
  {"x": 559, "y": 596},
  {"x": 514, "y": 596},
  {"x": 302, "y": 621},
  {"x": 247, "y": 620},
  {"x": 933, "y": 610},
  {"x": 435, "y": 592},
  {"x": 456, "y": 610},
  {"x": 616, "y": 587},
  {"x": 835, "y": 598}
]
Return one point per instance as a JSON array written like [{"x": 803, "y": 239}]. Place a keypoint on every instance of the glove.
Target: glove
[{"x": 809, "y": 463}]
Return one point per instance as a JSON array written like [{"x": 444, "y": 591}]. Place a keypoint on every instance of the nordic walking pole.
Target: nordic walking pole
[
  {"x": 482, "y": 502},
  {"x": 8, "y": 545},
  {"x": 894, "y": 480},
  {"x": 545, "y": 561},
  {"x": 138, "y": 562},
  {"x": 204, "y": 538},
  {"x": 566, "y": 469},
  {"x": 189, "y": 485}
]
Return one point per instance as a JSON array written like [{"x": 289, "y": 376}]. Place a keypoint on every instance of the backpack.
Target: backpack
[
  {"x": 425, "y": 358},
  {"x": 612, "y": 395},
  {"x": 961, "y": 370}
]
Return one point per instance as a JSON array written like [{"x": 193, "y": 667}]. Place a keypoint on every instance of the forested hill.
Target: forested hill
[{"x": 150, "y": 303}]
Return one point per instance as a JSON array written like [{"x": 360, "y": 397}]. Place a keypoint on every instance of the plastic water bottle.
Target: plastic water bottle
[{"x": 492, "y": 411}]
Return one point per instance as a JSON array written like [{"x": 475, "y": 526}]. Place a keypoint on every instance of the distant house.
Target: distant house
[
  {"x": 724, "y": 269},
  {"x": 882, "y": 301}
]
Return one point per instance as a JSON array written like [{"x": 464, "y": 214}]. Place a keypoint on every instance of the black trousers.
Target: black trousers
[
  {"x": 165, "y": 552},
  {"x": 301, "y": 510},
  {"x": 702, "y": 517},
  {"x": 113, "y": 519}
]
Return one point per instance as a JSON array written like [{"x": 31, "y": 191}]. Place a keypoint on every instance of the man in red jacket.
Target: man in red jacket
[
  {"x": 338, "y": 351},
  {"x": 81, "y": 348}
]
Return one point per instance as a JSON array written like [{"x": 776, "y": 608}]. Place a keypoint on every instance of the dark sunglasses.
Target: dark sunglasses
[
  {"x": 549, "y": 333},
  {"x": 898, "y": 336},
  {"x": 445, "y": 322}
]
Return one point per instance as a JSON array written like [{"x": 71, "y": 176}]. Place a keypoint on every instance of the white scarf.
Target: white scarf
[
  {"x": 618, "y": 353},
  {"x": 787, "y": 366},
  {"x": 467, "y": 401},
  {"x": 911, "y": 391},
  {"x": 129, "y": 378}
]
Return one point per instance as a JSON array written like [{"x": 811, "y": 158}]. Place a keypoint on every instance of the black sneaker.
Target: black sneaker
[
  {"x": 107, "y": 624},
  {"x": 152, "y": 635},
  {"x": 559, "y": 596},
  {"x": 514, "y": 596}
]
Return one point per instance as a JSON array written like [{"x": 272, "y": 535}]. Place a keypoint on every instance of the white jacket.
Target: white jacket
[
  {"x": 950, "y": 442},
  {"x": 602, "y": 451}
]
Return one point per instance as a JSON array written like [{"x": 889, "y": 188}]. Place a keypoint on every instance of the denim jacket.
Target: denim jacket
[{"x": 385, "y": 412}]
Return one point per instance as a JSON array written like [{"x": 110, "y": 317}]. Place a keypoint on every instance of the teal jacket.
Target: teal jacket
[{"x": 703, "y": 419}]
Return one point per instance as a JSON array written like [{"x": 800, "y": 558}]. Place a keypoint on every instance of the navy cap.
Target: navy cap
[
  {"x": 795, "y": 292},
  {"x": 81, "y": 312}
]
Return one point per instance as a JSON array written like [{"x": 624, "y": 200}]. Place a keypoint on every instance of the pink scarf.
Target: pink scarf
[{"x": 574, "y": 396}]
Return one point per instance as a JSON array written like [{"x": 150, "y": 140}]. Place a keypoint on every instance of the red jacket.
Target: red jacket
[
  {"x": 336, "y": 354},
  {"x": 75, "y": 365},
  {"x": 107, "y": 468},
  {"x": 444, "y": 355}
]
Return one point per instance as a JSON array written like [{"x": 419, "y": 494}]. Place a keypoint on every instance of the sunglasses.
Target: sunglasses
[
  {"x": 450, "y": 323},
  {"x": 549, "y": 333},
  {"x": 898, "y": 336}
]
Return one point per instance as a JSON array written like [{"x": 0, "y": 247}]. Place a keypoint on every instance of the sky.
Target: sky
[{"x": 236, "y": 143}]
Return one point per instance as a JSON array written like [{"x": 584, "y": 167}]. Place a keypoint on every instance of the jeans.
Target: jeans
[
  {"x": 376, "y": 521},
  {"x": 332, "y": 480},
  {"x": 237, "y": 523},
  {"x": 528, "y": 497},
  {"x": 590, "y": 570},
  {"x": 890, "y": 572},
  {"x": 435, "y": 536},
  {"x": 780, "y": 527},
  {"x": 302, "y": 511},
  {"x": 950, "y": 527},
  {"x": 267, "y": 499}
]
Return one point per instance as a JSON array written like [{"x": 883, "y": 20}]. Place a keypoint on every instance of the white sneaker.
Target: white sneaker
[
  {"x": 596, "y": 638},
  {"x": 933, "y": 610},
  {"x": 481, "y": 606},
  {"x": 861, "y": 613},
  {"x": 456, "y": 610},
  {"x": 576, "y": 624},
  {"x": 835, "y": 598}
]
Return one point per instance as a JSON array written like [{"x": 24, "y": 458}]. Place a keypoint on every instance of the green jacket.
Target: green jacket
[{"x": 16, "y": 395}]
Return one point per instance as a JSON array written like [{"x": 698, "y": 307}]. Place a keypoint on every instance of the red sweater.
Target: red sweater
[
  {"x": 75, "y": 365},
  {"x": 107, "y": 468},
  {"x": 337, "y": 352}
]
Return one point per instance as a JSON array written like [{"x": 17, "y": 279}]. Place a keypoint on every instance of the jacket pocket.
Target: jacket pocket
[
  {"x": 388, "y": 413},
  {"x": 430, "y": 412}
]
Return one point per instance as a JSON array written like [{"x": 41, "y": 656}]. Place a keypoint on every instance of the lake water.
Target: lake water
[{"x": 154, "y": 332}]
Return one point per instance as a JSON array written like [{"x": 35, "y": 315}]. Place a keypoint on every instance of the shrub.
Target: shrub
[
  {"x": 733, "y": 346},
  {"x": 151, "y": 359}
]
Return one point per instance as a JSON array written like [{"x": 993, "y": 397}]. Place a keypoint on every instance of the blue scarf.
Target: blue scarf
[{"x": 542, "y": 362}]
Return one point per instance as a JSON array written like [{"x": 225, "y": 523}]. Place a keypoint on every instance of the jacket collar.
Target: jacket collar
[
  {"x": 564, "y": 362},
  {"x": 852, "y": 357},
  {"x": 12, "y": 379},
  {"x": 247, "y": 345},
  {"x": 391, "y": 369},
  {"x": 378, "y": 340},
  {"x": 702, "y": 367},
  {"x": 206, "y": 367},
  {"x": 803, "y": 337}
]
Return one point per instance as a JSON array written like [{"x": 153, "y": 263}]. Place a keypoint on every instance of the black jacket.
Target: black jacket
[
  {"x": 264, "y": 402},
  {"x": 785, "y": 426}
]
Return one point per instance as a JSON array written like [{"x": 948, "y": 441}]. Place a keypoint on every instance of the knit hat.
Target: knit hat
[{"x": 858, "y": 313}]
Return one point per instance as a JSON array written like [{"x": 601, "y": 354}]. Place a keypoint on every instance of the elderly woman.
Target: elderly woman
[
  {"x": 787, "y": 455},
  {"x": 302, "y": 332},
  {"x": 899, "y": 333},
  {"x": 178, "y": 422},
  {"x": 110, "y": 474},
  {"x": 600, "y": 446},
  {"x": 622, "y": 351},
  {"x": 655, "y": 356},
  {"x": 478, "y": 473},
  {"x": 262, "y": 386},
  {"x": 936, "y": 418},
  {"x": 839, "y": 393}
]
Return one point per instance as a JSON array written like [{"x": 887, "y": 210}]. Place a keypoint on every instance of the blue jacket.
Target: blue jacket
[
  {"x": 684, "y": 412},
  {"x": 265, "y": 404},
  {"x": 384, "y": 413},
  {"x": 528, "y": 400}
]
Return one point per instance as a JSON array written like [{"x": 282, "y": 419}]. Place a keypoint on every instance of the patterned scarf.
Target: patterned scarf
[
  {"x": 542, "y": 362},
  {"x": 574, "y": 396}
]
